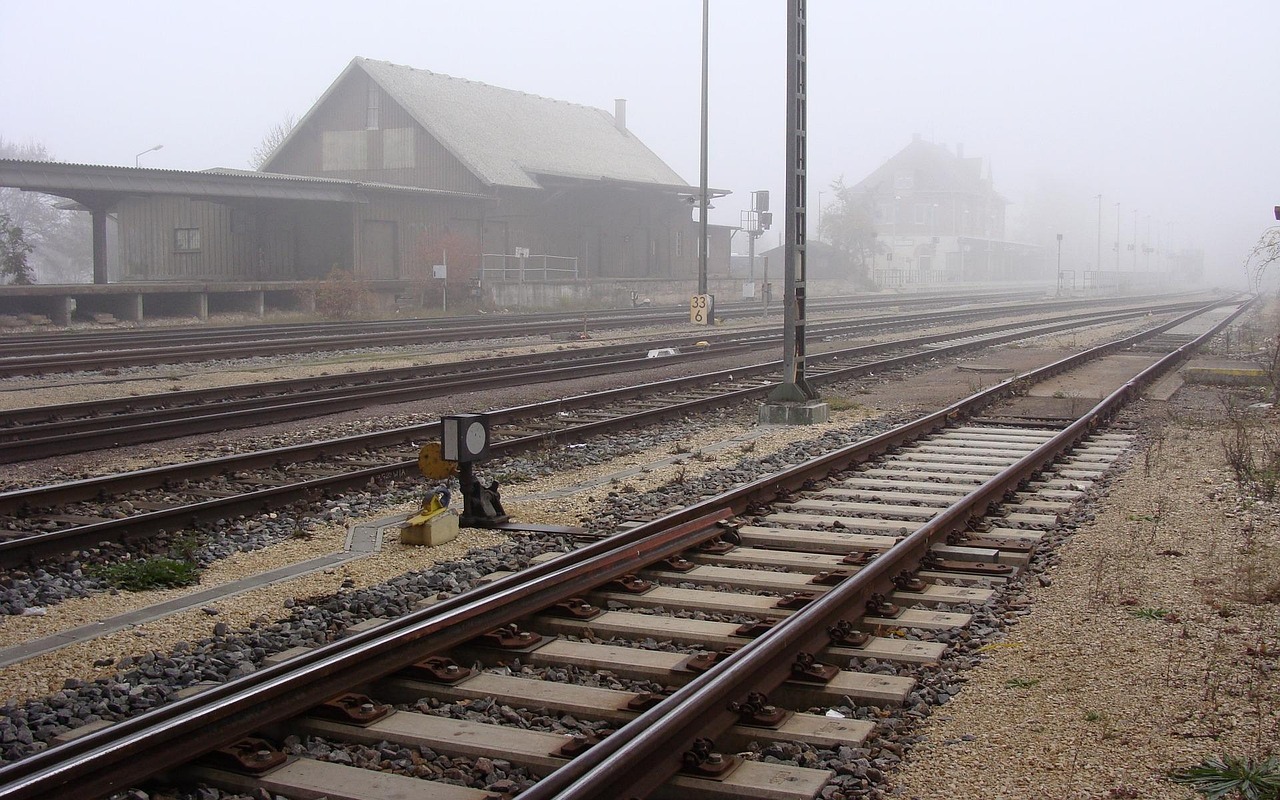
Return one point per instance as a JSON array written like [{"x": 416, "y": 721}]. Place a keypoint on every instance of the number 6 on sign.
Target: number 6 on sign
[{"x": 702, "y": 309}]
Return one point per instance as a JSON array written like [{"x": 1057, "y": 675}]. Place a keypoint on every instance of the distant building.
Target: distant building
[
  {"x": 938, "y": 219},
  {"x": 822, "y": 262}
]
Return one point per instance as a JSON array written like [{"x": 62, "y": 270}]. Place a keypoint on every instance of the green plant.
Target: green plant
[
  {"x": 1092, "y": 716},
  {"x": 1022, "y": 683},
  {"x": 1150, "y": 613},
  {"x": 149, "y": 573},
  {"x": 1229, "y": 776},
  {"x": 14, "y": 249},
  {"x": 184, "y": 548}
]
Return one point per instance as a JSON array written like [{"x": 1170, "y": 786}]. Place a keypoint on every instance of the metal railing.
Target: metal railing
[{"x": 523, "y": 268}]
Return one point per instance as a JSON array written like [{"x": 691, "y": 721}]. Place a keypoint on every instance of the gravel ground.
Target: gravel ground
[
  {"x": 137, "y": 669},
  {"x": 1153, "y": 643}
]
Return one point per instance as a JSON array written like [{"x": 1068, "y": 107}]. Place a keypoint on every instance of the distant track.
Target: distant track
[
  {"x": 69, "y": 352},
  {"x": 70, "y": 516},
  {"x": 50, "y": 430}
]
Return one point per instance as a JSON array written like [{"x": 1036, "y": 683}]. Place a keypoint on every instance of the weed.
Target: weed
[
  {"x": 149, "y": 573},
  {"x": 1022, "y": 683},
  {"x": 1253, "y": 454},
  {"x": 1230, "y": 776},
  {"x": 749, "y": 447},
  {"x": 680, "y": 448},
  {"x": 841, "y": 404},
  {"x": 1092, "y": 716},
  {"x": 679, "y": 476},
  {"x": 1150, "y": 613},
  {"x": 184, "y": 548},
  {"x": 704, "y": 457}
]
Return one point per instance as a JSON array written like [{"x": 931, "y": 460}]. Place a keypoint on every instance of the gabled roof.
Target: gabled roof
[
  {"x": 933, "y": 168},
  {"x": 509, "y": 138}
]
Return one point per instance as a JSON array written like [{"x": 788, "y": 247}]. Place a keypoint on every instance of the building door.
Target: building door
[{"x": 379, "y": 254}]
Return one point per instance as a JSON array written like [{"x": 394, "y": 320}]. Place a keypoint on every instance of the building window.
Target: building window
[
  {"x": 186, "y": 240},
  {"x": 904, "y": 180},
  {"x": 371, "y": 112}
]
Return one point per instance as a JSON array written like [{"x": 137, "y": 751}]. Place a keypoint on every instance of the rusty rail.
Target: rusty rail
[{"x": 647, "y": 752}]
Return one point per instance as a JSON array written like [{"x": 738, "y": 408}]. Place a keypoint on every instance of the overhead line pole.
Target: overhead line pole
[
  {"x": 794, "y": 388},
  {"x": 703, "y": 200}
]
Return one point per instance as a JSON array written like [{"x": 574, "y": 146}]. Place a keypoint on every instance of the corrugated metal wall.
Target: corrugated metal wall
[{"x": 239, "y": 239}]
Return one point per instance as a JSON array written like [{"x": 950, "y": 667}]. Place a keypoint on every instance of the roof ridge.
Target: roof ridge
[{"x": 478, "y": 83}]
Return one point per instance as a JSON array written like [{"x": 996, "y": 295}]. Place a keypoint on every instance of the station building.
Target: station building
[{"x": 394, "y": 173}]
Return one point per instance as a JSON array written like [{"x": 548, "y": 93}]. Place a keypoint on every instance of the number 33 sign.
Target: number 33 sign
[{"x": 701, "y": 309}]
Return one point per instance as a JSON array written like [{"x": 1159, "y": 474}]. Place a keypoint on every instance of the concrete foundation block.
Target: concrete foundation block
[
  {"x": 437, "y": 530},
  {"x": 811, "y": 413}
]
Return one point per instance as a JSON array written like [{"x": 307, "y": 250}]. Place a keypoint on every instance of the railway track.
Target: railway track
[
  {"x": 858, "y": 554},
  {"x": 44, "y": 431},
  {"x": 40, "y": 522},
  {"x": 63, "y": 352}
]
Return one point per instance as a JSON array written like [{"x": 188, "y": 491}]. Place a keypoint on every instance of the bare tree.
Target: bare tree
[
  {"x": 273, "y": 138},
  {"x": 848, "y": 224},
  {"x": 60, "y": 239},
  {"x": 1263, "y": 254}
]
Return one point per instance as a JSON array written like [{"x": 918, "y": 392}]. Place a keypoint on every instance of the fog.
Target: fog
[{"x": 1167, "y": 108}]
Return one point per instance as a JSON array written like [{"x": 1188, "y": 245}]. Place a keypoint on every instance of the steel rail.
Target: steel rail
[
  {"x": 293, "y": 400},
  {"x": 120, "y": 756},
  {"x": 646, "y": 752},
  {"x": 90, "y": 487},
  {"x": 65, "y": 341},
  {"x": 18, "y": 550},
  {"x": 758, "y": 335},
  {"x": 122, "y": 351}
]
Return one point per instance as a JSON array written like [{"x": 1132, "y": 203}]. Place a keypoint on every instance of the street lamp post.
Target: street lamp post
[
  {"x": 1117, "y": 241},
  {"x": 144, "y": 152},
  {"x": 1059, "y": 263},
  {"x": 1134, "y": 248},
  {"x": 1099, "y": 261}
]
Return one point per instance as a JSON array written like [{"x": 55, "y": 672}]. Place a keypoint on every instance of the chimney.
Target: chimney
[
  {"x": 620, "y": 114},
  {"x": 959, "y": 149}
]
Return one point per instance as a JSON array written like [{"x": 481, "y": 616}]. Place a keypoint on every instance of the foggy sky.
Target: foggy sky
[{"x": 1167, "y": 107}]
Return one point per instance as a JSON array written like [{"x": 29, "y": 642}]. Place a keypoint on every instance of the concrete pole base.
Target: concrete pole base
[{"x": 814, "y": 412}]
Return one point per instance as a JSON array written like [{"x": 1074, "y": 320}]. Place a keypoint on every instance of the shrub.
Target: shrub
[
  {"x": 149, "y": 573},
  {"x": 340, "y": 295}
]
